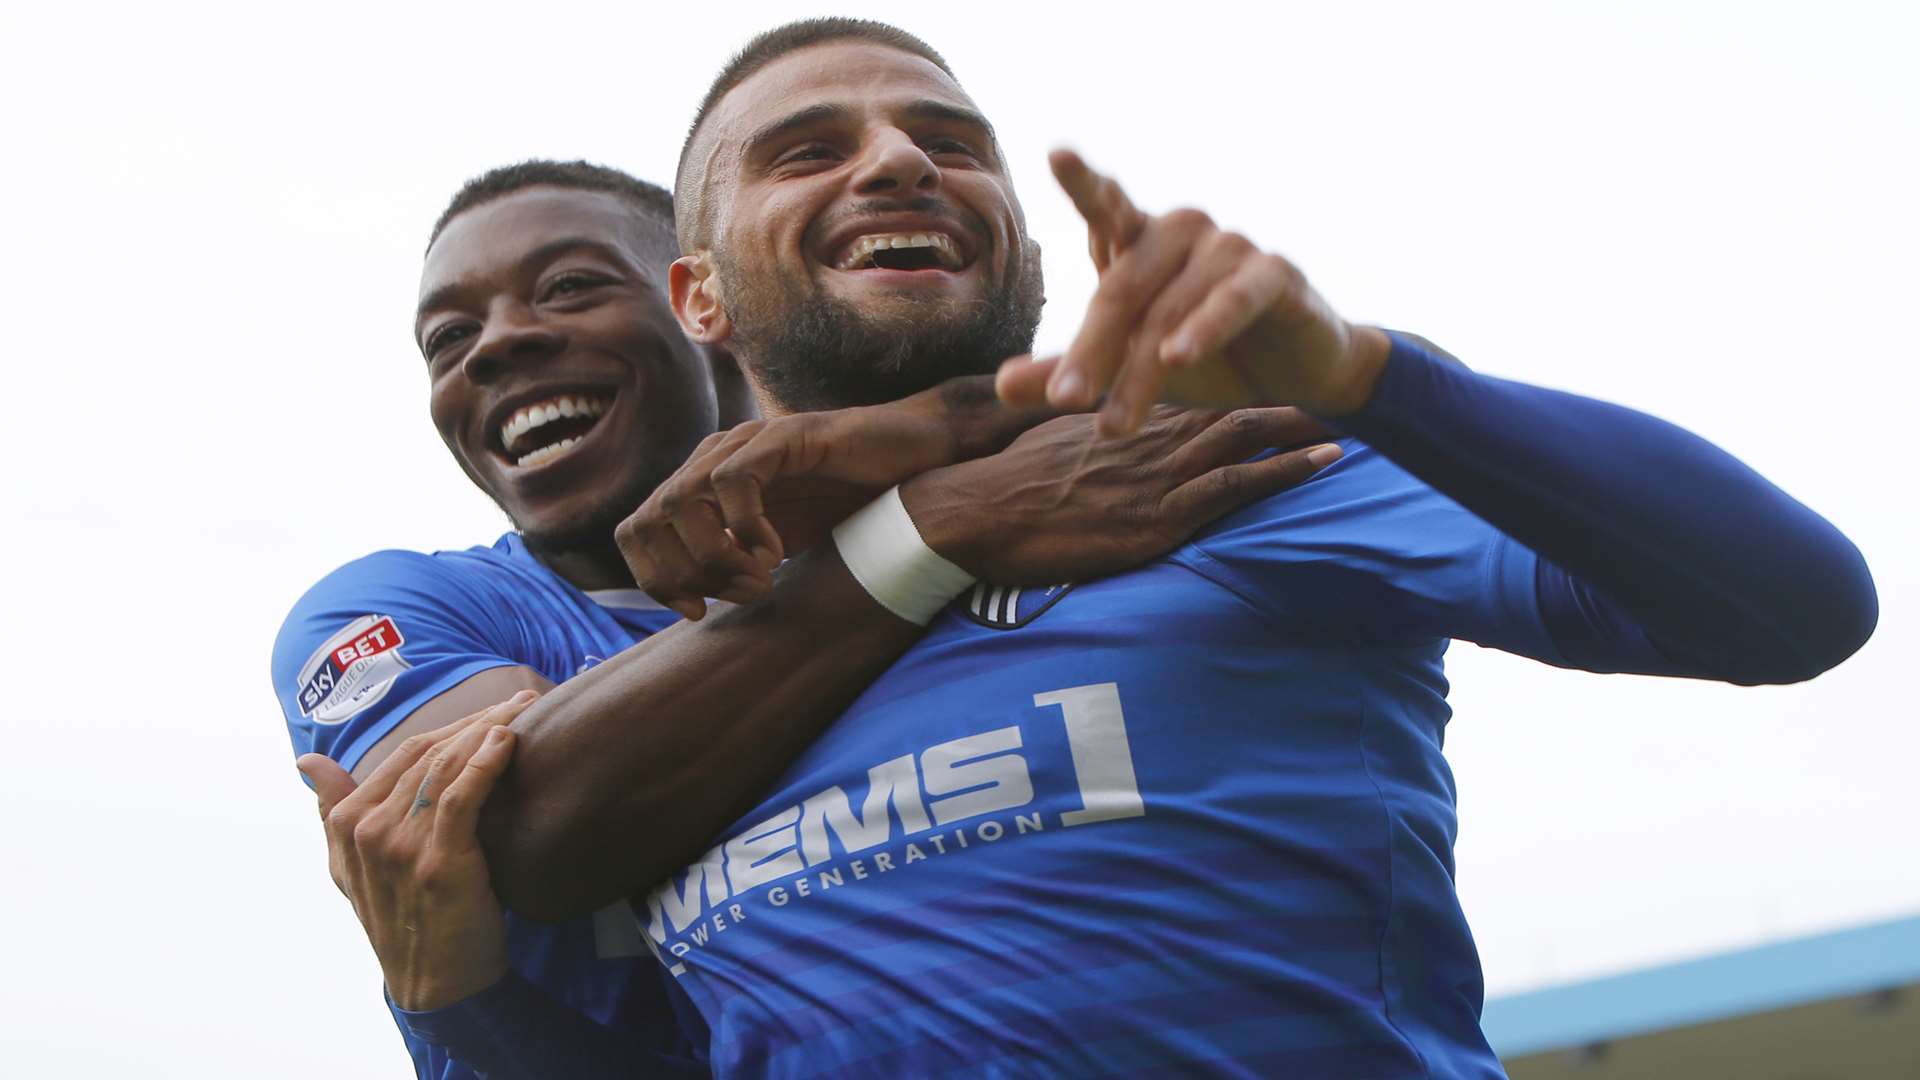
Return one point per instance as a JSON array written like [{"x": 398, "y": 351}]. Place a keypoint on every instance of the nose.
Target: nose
[
  {"x": 896, "y": 165},
  {"x": 513, "y": 334}
]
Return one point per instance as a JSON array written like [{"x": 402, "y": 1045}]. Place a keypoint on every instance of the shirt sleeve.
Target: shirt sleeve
[
  {"x": 375, "y": 640},
  {"x": 513, "y": 1031},
  {"x": 1654, "y": 526},
  {"x": 1554, "y": 526}
]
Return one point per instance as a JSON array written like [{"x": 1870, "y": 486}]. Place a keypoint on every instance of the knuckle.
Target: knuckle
[
  {"x": 368, "y": 835},
  {"x": 1230, "y": 243},
  {"x": 341, "y": 822},
  {"x": 1238, "y": 293},
  {"x": 1189, "y": 220},
  {"x": 1289, "y": 275},
  {"x": 1120, "y": 293},
  {"x": 455, "y": 801},
  {"x": 1245, "y": 421},
  {"x": 730, "y": 472},
  {"x": 431, "y": 870}
]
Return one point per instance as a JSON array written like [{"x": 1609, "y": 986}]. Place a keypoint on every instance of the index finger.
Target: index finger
[{"x": 1113, "y": 222}]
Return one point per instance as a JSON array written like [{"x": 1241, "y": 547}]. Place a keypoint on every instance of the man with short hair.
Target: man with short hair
[
  {"x": 1192, "y": 817},
  {"x": 562, "y": 385}
]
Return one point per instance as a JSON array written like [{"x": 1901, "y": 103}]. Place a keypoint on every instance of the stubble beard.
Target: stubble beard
[{"x": 809, "y": 351}]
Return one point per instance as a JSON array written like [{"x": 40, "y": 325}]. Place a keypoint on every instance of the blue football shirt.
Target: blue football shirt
[
  {"x": 1191, "y": 817},
  {"x": 383, "y": 635}
]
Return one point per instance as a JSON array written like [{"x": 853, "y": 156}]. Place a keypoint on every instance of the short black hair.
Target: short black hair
[
  {"x": 653, "y": 201},
  {"x": 764, "y": 49}
]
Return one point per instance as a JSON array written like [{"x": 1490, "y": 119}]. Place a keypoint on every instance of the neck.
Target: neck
[{"x": 588, "y": 569}]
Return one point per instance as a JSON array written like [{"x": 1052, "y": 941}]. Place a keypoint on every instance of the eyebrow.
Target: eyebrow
[
  {"x": 444, "y": 295},
  {"x": 793, "y": 121},
  {"x": 928, "y": 109},
  {"x": 812, "y": 115}
]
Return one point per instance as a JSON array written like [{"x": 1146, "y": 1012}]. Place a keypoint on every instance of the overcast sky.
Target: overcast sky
[{"x": 212, "y": 229}]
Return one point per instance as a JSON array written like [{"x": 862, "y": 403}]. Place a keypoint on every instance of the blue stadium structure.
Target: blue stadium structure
[{"x": 1840, "y": 1005}]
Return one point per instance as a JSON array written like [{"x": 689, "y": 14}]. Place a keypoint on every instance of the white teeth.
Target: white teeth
[
  {"x": 546, "y": 453},
  {"x": 859, "y": 254},
  {"x": 529, "y": 417}
]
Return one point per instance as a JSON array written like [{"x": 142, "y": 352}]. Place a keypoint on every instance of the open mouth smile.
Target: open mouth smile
[
  {"x": 927, "y": 250},
  {"x": 540, "y": 431}
]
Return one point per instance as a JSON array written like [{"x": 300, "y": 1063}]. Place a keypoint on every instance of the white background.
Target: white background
[{"x": 211, "y": 228}]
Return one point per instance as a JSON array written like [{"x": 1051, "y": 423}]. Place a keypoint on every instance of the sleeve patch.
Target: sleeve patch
[{"x": 351, "y": 671}]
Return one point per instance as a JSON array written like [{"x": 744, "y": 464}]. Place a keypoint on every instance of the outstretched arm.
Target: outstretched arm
[
  {"x": 1653, "y": 530},
  {"x": 1727, "y": 575}
]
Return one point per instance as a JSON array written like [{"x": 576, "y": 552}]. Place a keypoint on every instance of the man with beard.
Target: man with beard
[
  {"x": 1193, "y": 816},
  {"x": 563, "y": 387}
]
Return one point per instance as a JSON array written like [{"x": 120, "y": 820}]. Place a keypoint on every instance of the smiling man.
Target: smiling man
[
  {"x": 951, "y": 281},
  {"x": 1193, "y": 817},
  {"x": 563, "y": 387},
  {"x": 582, "y": 397}
]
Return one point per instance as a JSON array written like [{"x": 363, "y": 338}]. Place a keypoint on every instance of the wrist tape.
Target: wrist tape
[{"x": 886, "y": 555}]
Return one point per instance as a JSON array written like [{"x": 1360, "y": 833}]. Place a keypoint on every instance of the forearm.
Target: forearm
[
  {"x": 1723, "y": 571},
  {"x": 625, "y": 772},
  {"x": 513, "y": 1031},
  {"x": 983, "y": 424}
]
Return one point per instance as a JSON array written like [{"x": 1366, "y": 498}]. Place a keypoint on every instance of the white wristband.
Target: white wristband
[{"x": 883, "y": 549}]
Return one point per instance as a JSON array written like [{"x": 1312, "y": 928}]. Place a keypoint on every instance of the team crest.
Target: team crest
[
  {"x": 1009, "y": 607},
  {"x": 352, "y": 670}
]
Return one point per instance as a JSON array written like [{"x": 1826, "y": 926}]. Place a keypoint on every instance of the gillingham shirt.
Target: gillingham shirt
[
  {"x": 1191, "y": 817},
  {"x": 382, "y": 636}
]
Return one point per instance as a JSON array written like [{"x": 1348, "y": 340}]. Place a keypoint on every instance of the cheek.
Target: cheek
[
  {"x": 447, "y": 408},
  {"x": 780, "y": 228}
]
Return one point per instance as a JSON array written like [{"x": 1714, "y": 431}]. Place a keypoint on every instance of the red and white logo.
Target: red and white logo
[{"x": 352, "y": 670}]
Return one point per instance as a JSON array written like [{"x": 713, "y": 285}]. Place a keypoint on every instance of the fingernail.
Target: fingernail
[
  {"x": 1324, "y": 455},
  {"x": 1176, "y": 350},
  {"x": 1067, "y": 387},
  {"x": 498, "y": 734},
  {"x": 524, "y": 696}
]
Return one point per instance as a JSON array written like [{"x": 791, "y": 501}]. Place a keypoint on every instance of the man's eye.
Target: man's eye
[
  {"x": 947, "y": 146},
  {"x": 809, "y": 152},
  {"x": 570, "y": 284},
  {"x": 445, "y": 336}
]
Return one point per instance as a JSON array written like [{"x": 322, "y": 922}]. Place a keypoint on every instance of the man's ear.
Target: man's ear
[{"x": 694, "y": 289}]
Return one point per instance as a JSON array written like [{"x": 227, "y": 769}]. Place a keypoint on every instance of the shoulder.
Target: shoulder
[
  {"x": 443, "y": 591},
  {"x": 1361, "y": 496},
  {"x": 1364, "y": 545},
  {"x": 382, "y": 635}
]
